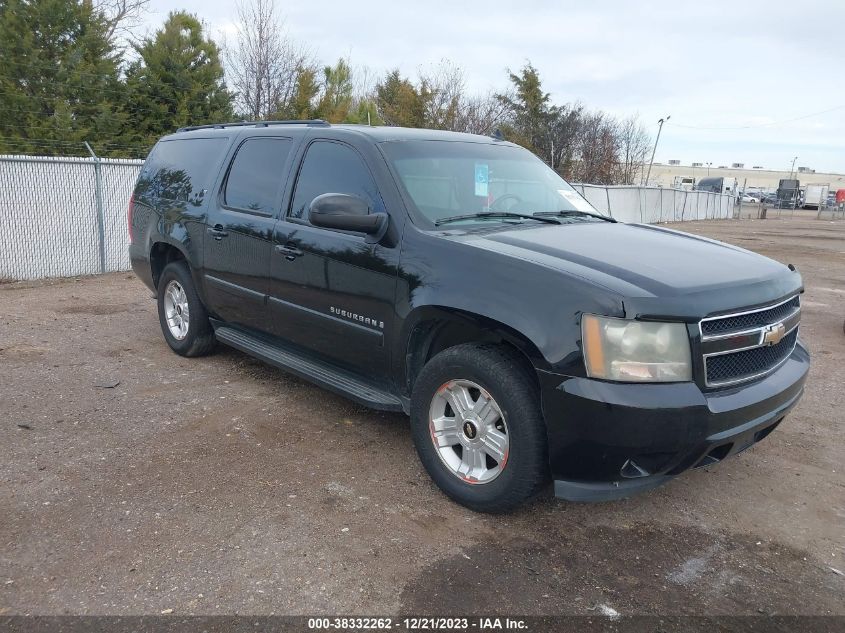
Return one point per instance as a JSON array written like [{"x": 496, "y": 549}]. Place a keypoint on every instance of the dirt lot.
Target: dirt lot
[{"x": 219, "y": 485}]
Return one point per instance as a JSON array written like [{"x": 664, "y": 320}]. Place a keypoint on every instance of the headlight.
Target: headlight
[{"x": 635, "y": 351}]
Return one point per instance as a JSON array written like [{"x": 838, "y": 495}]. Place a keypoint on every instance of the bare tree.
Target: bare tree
[
  {"x": 444, "y": 86},
  {"x": 481, "y": 114},
  {"x": 562, "y": 132},
  {"x": 264, "y": 63},
  {"x": 632, "y": 145},
  {"x": 121, "y": 16},
  {"x": 596, "y": 146},
  {"x": 449, "y": 107},
  {"x": 364, "y": 80}
]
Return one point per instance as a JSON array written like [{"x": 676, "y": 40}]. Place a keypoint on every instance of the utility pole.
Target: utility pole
[
  {"x": 708, "y": 169},
  {"x": 795, "y": 197},
  {"x": 654, "y": 151}
]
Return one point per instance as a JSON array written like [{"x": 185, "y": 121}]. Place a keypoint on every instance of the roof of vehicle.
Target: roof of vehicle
[{"x": 375, "y": 133}]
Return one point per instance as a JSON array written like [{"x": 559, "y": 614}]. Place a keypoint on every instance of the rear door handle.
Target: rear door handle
[
  {"x": 290, "y": 252},
  {"x": 217, "y": 232}
]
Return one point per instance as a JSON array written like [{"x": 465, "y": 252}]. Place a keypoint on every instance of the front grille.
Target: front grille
[
  {"x": 738, "y": 366},
  {"x": 750, "y": 320},
  {"x": 736, "y": 347}
]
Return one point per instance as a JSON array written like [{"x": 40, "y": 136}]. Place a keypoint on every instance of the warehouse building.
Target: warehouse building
[{"x": 755, "y": 177}]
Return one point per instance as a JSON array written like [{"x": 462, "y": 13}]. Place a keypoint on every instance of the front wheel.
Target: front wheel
[
  {"x": 184, "y": 321},
  {"x": 478, "y": 427}
]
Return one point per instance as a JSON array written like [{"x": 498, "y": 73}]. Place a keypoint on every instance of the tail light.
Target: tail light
[{"x": 129, "y": 217}]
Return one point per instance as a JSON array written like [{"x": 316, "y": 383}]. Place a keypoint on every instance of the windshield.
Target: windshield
[{"x": 445, "y": 179}]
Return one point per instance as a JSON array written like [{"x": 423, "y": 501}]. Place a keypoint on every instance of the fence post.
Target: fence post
[
  {"x": 607, "y": 195},
  {"x": 660, "y": 213},
  {"x": 640, "y": 194},
  {"x": 98, "y": 194}
]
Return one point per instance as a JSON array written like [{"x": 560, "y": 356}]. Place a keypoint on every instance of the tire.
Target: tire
[
  {"x": 197, "y": 339},
  {"x": 490, "y": 371}
]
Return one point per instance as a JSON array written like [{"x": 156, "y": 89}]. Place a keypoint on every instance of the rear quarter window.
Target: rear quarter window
[
  {"x": 256, "y": 174},
  {"x": 180, "y": 169}
]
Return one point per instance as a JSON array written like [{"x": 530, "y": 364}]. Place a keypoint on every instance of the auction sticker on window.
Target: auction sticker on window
[{"x": 574, "y": 199}]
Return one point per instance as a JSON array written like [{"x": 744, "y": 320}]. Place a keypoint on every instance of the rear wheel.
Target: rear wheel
[
  {"x": 184, "y": 320},
  {"x": 478, "y": 428}
]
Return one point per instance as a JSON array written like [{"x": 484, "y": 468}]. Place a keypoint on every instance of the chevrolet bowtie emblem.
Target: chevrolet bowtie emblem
[{"x": 773, "y": 334}]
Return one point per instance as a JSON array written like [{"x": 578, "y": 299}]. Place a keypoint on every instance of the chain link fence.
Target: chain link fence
[{"x": 63, "y": 217}]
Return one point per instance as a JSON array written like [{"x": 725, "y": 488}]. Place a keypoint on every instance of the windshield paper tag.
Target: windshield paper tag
[
  {"x": 482, "y": 178},
  {"x": 575, "y": 200}
]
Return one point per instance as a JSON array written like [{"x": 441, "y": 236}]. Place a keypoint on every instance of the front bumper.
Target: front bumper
[{"x": 611, "y": 440}]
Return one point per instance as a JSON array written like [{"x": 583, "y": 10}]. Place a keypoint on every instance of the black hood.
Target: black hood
[{"x": 652, "y": 267}]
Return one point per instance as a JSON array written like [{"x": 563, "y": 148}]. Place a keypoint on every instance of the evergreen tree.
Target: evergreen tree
[
  {"x": 176, "y": 81},
  {"x": 301, "y": 104},
  {"x": 336, "y": 101},
  {"x": 401, "y": 103},
  {"x": 59, "y": 78},
  {"x": 531, "y": 110},
  {"x": 365, "y": 112}
]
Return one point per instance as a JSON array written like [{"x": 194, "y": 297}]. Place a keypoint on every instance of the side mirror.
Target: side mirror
[{"x": 346, "y": 212}]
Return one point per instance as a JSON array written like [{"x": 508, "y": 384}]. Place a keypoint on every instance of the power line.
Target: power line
[{"x": 760, "y": 125}]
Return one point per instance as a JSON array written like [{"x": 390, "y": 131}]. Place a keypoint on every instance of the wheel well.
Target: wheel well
[
  {"x": 433, "y": 335},
  {"x": 161, "y": 255}
]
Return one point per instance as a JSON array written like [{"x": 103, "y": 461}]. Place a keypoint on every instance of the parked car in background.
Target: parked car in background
[
  {"x": 458, "y": 279},
  {"x": 746, "y": 198}
]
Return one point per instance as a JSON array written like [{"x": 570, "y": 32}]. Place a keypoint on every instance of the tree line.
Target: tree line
[{"x": 72, "y": 71}]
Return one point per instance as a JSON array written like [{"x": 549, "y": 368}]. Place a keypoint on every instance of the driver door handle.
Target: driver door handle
[
  {"x": 217, "y": 232},
  {"x": 289, "y": 251}
]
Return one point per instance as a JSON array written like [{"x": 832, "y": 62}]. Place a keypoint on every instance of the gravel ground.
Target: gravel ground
[{"x": 219, "y": 485}]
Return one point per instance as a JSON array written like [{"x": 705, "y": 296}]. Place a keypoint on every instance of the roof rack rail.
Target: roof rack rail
[{"x": 220, "y": 126}]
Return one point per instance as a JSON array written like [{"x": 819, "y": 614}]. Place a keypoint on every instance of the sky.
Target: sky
[{"x": 758, "y": 82}]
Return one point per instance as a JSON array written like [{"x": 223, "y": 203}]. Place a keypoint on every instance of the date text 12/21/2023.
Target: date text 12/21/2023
[{"x": 426, "y": 623}]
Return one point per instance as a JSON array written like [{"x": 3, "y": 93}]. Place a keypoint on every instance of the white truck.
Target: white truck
[
  {"x": 815, "y": 196},
  {"x": 683, "y": 182},
  {"x": 718, "y": 185}
]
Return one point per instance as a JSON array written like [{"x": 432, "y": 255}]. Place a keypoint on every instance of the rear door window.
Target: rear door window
[
  {"x": 180, "y": 169},
  {"x": 256, "y": 175},
  {"x": 331, "y": 167}
]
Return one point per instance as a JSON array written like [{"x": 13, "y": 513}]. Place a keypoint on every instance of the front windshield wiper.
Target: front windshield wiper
[
  {"x": 572, "y": 212},
  {"x": 495, "y": 214}
]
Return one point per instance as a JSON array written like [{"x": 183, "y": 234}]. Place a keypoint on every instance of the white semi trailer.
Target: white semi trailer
[{"x": 815, "y": 196}]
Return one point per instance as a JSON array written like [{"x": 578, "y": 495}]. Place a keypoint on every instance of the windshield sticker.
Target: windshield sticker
[
  {"x": 482, "y": 179},
  {"x": 576, "y": 201}
]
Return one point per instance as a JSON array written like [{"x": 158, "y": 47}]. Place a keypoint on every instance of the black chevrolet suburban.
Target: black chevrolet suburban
[{"x": 459, "y": 279}]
